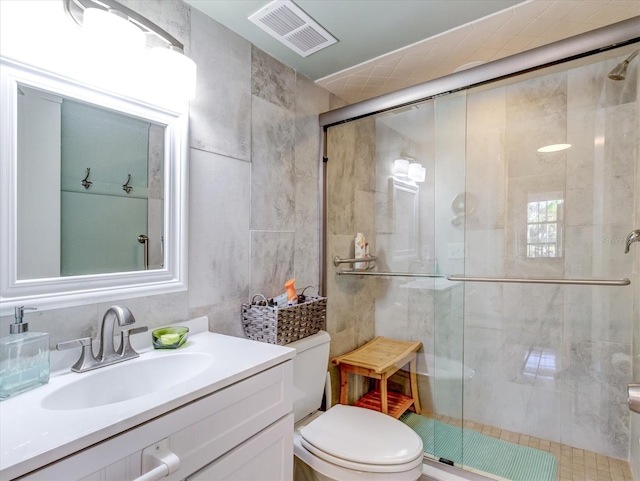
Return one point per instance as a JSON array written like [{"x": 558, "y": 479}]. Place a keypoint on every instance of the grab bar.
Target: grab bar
[
  {"x": 337, "y": 261},
  {"x": 387, "y": 274},
  {"x": 582, "y": 282}
]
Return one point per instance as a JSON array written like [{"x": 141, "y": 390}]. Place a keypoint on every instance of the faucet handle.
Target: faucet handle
[
  {"x": 87, "y": 360},
  {"x": 126, "y": 350}
]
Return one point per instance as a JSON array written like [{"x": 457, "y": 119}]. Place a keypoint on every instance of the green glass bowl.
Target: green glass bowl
[{"x": 170, "y": 337}]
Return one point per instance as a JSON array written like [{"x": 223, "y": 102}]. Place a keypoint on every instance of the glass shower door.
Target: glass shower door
[{"x": 398, "y": 178}]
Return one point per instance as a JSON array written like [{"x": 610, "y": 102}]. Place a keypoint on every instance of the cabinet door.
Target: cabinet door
[
  {"x": 267, "y": 456},
  {"x": 199, "y": 433}
]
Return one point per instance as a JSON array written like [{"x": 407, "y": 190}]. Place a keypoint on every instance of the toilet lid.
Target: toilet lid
[{"x": 363, "y": 436}]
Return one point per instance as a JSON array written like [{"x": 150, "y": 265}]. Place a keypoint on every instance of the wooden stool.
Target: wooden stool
[{"x": 380, "y": 359}]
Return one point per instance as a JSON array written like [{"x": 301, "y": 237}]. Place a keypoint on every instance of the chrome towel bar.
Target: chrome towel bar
[
  {"x": 461, "y": 278},
  {"x": 582, "y": 282}
]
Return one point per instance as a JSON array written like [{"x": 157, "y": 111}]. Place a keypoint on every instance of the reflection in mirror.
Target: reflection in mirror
[
  {"x": 94, "y": 178},
  {"x": 93, "y": 193},
  {"x": 405, "y": 218}
]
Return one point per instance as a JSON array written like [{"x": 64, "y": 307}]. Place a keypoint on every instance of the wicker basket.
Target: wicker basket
[{"x": 282, "y": 325}]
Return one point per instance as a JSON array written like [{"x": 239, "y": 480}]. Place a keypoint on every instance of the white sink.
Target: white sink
[{"x": 127, "y": 380}]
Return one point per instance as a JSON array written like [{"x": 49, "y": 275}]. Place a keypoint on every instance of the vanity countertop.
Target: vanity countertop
[{"x": 32, "y": 436}]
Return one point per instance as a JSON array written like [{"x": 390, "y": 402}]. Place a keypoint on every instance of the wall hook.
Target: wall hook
[
  {"x": 126, "y": 187},
  {"x": 86, "y": 183},
  {"x": 634, "y": 236}
]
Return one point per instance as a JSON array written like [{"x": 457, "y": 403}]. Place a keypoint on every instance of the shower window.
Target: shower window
[{"x": 545, "y": 226}]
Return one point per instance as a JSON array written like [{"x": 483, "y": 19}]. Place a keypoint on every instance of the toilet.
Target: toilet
[{"x": 345, "y": 443}]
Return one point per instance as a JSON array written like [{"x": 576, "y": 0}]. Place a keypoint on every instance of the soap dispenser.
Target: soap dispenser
[{"x": 24, "y": 358}]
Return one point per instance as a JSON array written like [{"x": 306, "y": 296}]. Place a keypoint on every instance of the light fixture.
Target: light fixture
[
  {"x": 416, "y": 172},
  {"x": 112, "y": 29},
  {"x": 553, "y": 148},
  {"x": 401, "y": 167},
  {"x": 173, "y": 71},
  {"x": 119, "y": 36}
]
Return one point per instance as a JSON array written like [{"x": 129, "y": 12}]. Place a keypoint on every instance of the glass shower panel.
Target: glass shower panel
[
  {"x": 398, "y": 178},
  {"x": 450, "y": 210},
  {"x": 551, "y": 361}
]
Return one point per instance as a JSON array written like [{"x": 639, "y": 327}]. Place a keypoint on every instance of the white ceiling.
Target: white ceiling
[{"x": 385, "y": 45}]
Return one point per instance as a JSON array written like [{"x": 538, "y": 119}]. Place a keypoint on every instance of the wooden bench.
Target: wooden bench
[{"x": 379, "y": 359}]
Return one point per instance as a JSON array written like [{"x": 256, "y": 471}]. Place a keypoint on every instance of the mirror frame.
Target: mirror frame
[{"x": 59, "y": 292}]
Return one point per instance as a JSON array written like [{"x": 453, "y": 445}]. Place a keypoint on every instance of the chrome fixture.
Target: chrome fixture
[
  {"x": 461, "y": 278},
  {"x": 18, "y": 326},
  {"x": 107, "y": 354},
  {"x": 75, "y": 9},
  {"x": 86, "y": 183},
  {"x": 634, "y": 236},
  {"x": 634, "y": 397},
  {"x": 144, "y": 239},
  {"x": 580, "y": 282},
  {"x": 620, "y": 70}
]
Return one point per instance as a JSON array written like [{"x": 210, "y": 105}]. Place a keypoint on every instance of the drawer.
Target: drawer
[
  {"x": 267, "y": 456},
  {"x": 198, "y": 432}
]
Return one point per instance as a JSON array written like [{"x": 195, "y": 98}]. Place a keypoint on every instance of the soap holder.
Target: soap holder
[{"x": 170, "y": 337}]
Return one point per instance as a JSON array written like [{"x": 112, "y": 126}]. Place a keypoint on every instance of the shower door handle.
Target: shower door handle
[{"x": 634, "y": 397}]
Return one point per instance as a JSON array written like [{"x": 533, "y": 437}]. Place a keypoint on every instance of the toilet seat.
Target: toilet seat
[{"x": 363, "y": 440}]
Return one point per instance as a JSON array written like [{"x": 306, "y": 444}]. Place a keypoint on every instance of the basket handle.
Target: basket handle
[
  {"x": 302, "y": 293},
  {"x": 259, "y": 302}
]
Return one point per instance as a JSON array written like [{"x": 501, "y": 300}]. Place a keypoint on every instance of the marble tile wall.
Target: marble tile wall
[
  {"x": 351, "y": 208},
  {"x": 253, "y": 182}
]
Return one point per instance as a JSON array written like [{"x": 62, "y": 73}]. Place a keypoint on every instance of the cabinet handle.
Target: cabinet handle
[{"x": 156, "y": 474}]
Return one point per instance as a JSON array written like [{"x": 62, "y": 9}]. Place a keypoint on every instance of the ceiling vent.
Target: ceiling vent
[{"x": 287, "y": 23}]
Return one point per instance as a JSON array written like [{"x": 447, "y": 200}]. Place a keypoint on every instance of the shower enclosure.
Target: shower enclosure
[{"x": 504, "y": 256}]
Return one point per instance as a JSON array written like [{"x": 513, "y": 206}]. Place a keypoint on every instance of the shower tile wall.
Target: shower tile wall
[
  {"x": 351, "y": 209},
  {"x": 552, "y": 361}
]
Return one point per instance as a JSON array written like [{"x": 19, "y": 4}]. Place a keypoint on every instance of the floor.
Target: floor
[{"x": 573, "y": 464}]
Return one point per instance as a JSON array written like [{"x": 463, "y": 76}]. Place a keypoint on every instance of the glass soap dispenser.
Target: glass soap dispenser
[{"x": 24, "y": 358}]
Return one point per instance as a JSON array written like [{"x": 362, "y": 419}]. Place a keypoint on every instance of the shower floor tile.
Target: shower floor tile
[{"x": 573, "y": 464}]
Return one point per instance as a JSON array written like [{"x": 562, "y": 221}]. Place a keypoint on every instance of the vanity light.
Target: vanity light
[
  {"x": 417, "y": 173},
  {"x": 174, "y": 71},
  {"x": 119, "y": 36},
  {"x": 401, "y": 167},
  {"x": 553, "y": 148},
  {"x": 111, "y": 29}
]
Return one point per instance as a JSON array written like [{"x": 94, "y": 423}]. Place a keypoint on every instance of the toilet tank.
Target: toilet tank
[{"x": 309, "y": 373}]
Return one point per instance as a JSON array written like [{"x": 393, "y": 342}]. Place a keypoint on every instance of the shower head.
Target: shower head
[{"x": 620, "y": 70}]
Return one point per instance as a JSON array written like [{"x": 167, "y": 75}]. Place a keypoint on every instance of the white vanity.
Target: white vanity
[{"x": 217, "y": 408}]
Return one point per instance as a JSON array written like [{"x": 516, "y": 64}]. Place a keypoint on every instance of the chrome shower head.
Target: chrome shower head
[{"x": 620, "y": 70}]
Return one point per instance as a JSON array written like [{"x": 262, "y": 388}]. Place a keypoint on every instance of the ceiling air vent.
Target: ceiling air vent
[{"x": 285, "y": 21}]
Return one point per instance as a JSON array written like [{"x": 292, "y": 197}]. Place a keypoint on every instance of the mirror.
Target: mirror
[{"x": 93, "y": 194}]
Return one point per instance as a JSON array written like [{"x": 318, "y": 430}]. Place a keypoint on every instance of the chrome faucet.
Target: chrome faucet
[
  {"x": 634, "y": 236},
  {"x": 107, "y": 353},
  {"x": 107, "y": 347}
]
